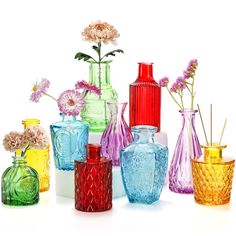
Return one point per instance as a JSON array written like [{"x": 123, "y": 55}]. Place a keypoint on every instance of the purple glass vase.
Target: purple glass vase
[
  {"x": 117, "y": 134},
  {"x": 187, "y": 148}
]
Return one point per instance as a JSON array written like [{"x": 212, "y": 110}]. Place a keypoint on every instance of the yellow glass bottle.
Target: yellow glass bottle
[
  {"x": 212, "y": 176},
  {"x": 39, "y": 159}
]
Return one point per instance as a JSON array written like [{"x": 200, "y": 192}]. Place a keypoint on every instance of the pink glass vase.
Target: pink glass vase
[
  {"x": 117, "y": 134},
  {"x": 187, "y": 148}
]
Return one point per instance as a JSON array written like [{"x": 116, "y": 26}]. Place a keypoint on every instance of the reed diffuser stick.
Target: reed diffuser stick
[
  {"x": 204, "y": 130},
  {"x": 211, "y": 125},
  {"x": 223, "y": 130}
]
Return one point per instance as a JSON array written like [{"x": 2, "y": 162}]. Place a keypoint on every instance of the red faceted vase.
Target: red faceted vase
[
  {"x": 93, "y": 181},
  {"x": 145, "y": 99}
]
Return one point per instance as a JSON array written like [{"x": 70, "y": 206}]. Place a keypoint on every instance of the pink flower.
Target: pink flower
[
  {"x": 164, "y": 82},
  {"x": 191, "y": 69},
  {"x": 70, "y": 102},
  {"x": 88, "y": 87},
  {"x": 39, "y": 89}
]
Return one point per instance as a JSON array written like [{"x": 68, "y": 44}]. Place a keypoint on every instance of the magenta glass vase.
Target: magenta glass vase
[
  {"x": 117, "y": 134},
  {"x": 187, "y": 148}
]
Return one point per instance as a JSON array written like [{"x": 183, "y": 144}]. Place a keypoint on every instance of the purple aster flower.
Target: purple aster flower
[
  {"x": 164, "y": 82},
  {"x": 39, "y": 89},
  {"x": 88, "y": 87},
  {"x": 70, "y": 102}
]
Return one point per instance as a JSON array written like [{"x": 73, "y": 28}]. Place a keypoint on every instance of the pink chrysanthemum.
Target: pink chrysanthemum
[
  {"x": 88, "y": 87},
  {"x": 70, "y": 102},
  {"x": 39, "y": 89},
  {"x": 164, "y": 82}
]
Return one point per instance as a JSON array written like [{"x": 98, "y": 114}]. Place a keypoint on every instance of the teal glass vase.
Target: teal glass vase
[
  {"x": 20, "y": 184},
  {"x": 96, "y": 111},
  {"x": 69, "y": 138}
]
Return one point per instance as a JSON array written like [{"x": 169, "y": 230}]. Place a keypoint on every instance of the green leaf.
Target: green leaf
[
  {"x": 113, "y": 53},
  {"x": 83, "y": 56},
  {"x": 95, "y": 48}
]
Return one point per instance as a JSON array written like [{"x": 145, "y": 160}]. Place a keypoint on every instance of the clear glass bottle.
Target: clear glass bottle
[
  {"x": 69, "y": 138},
  {"x": 213, "y": 176},
  {"x": 145, "y": 99},
  {"x": 187, "y": 148},
  {"x": 39, "y": 159},
  {"x": 20, "y": 184},
  {"x": 117, "y": 135},
  {"x": 143, "y": 166},
  {"x": 93, "y": 181},
  {"x": 95, "y": 111}
]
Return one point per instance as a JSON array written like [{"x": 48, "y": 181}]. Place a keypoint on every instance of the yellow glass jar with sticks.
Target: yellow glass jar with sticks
[
  {"x": 212, "y": 174},
  {"x": 39, "y": 159}
]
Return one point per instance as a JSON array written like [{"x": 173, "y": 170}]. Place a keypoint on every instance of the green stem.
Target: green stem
[
  {"x": 174, "y": 99},
  {"x": 99, "y": 66},
  {"x": 192, "y": 94},
  {"x": 26, "y": 149},
  {"x": 50, "y": 96},
  {"x": 181, "y": 98}
]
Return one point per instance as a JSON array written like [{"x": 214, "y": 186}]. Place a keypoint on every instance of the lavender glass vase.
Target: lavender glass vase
[
  {"x": 117, "y": 134},
  {"x": 187, "y": 148}
]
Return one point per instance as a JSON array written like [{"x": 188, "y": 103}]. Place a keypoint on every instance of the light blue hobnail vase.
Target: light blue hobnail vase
[
  {"x": 69, "y": 138},
  {"x": 144, "y": 166}
]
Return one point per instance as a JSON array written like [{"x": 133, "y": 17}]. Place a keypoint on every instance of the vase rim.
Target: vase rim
[
  {"x": 102, "y": 62},
  {"x": 146, "y": 63},
  {"x": 185, "y": 110},
  {"x": 214, "y": 145},
  {"x": 117, "y": 102},
  {"x": 144, "y": 129}
]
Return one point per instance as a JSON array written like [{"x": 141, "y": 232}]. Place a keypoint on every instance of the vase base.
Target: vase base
[
  {"x": 182, "y": 190},
  {"x": 211, "y": 202},
  {"x": 18, "y": 203}
]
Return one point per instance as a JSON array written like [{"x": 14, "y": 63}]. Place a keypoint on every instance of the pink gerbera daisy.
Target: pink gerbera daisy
[
  {"x": 70, "y": 102},
  {"x": 88, "y": 87},
  {"x": 39, "y": 89}
]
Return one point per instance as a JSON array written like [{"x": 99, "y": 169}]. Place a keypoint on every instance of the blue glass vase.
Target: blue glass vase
[
  {"x": 69, "y": 138},
  {"x": 144, "y": 166}
]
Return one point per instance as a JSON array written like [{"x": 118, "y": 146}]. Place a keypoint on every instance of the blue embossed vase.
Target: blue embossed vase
[
  {"x": 144, "y": 166},
  {"x": 69, "y": 138}
]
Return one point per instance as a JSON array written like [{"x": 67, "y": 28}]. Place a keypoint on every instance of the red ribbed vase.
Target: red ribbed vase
[
  {"x": 93, "y": 181},
  {"x": 145, "y": 99}
]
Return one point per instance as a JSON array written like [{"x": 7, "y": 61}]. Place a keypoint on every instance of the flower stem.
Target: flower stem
[
  {"x": 192, "y": 94},
  {"x": 174, "y": 99},
  {"x": 99, "y": 66},
  {"x": 181, "y": 98},
  {"x": 50, "y": 96}
]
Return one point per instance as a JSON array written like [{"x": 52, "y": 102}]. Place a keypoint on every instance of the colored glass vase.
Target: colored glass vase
[
  {"x": 39, "y": 159},
  {"x": 213, "y": 176},
  {"x": 20, "y": 184},
  {"x": 143, "y": 166},
  {"x": 187, "y": 148},
  {"x": 117, "y": 135},
  {"x": 95, "y": 111},
  {"x": 93, "y": 181},
  {"x": 145, "y": 99},
  {"x": 69, "y": 138}
]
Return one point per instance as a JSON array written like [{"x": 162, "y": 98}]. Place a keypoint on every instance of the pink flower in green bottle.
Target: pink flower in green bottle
[{"x": 88, "y": 87}]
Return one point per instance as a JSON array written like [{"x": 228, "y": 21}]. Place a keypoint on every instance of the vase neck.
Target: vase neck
[
  {"x": 144, "y": 134},
  {"x": 99, "y": 70},
  {"x": 145, "y": 72},
  {"x": 213, "y": 153},
  {"x": 19, "y": 161},
  {"x": 29, "y": 122},
  {"x": 117, "y": 110},
  {"x": 188, "y": 117},
  {"x": 67, "y": 118},
  {"x": 93, "y": 152}
]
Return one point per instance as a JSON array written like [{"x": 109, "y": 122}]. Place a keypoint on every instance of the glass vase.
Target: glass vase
[
  {"x": 93, "y": 181},
  {"x": 39, "y": 159},
  {"x": 187, "y": 148},
  {"x": 95, "y": 111},
  {"x": 143, "y": 166},
  {"x": 117, "y": 135},
  {"x": 69, "y": 138},
  {"x": 145, "y": 99},
  {"x": 213, "y": 176},
  {"x": 20, "y": 184}
]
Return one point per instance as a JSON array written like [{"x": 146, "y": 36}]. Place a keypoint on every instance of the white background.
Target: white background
[{"x": 40, "y": 38}]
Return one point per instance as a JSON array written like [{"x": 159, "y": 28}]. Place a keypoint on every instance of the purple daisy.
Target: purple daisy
[
  {"x": 88, "y": 87},
  {"x": 70, "y": 102},
  {"x": 39, "y": 89}
]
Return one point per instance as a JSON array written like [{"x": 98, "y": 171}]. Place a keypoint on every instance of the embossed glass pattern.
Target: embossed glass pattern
[
  {"x": 187, "y": 148},
  {"x": 20, "y": 184},
  {"x": 95, "y": 111},
  {"x": 213, "y": 176},
  {"x": 93, "y": 181},
  {"x": 69, "y": 138},
  {"x": 143, "y": 166},
  {"x": 117, "y": 135}
]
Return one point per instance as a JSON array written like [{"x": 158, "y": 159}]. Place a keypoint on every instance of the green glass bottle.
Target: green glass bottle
[
  {"x": 20, "y": 184},
  {"x": 96, "y": 112}
]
